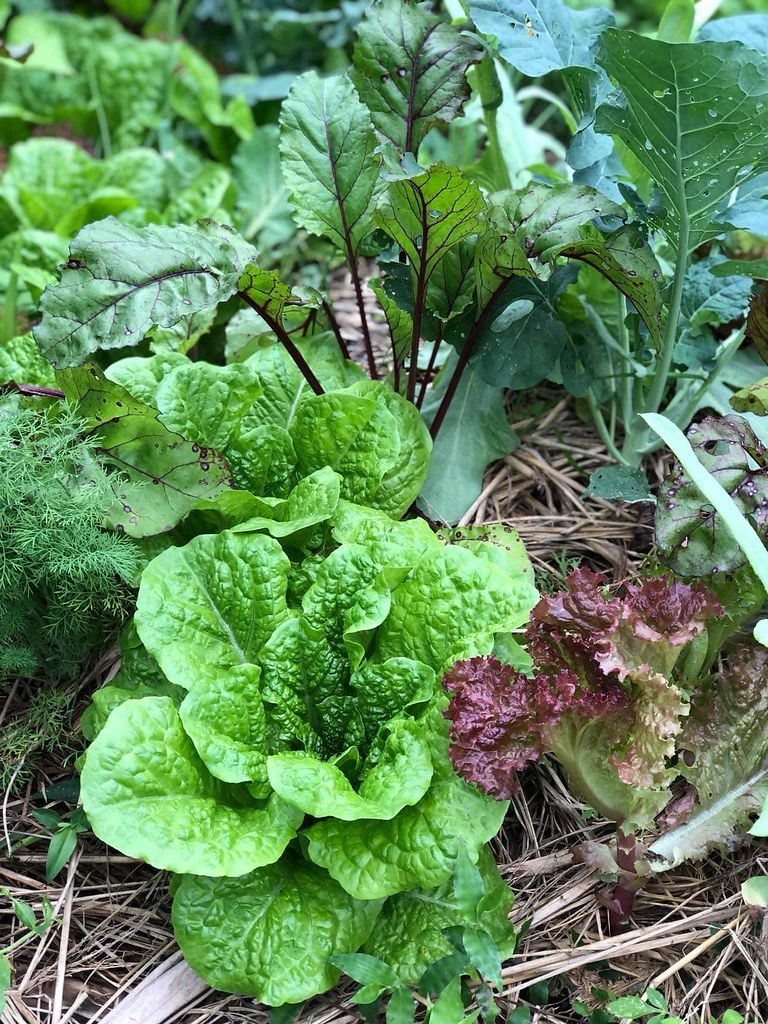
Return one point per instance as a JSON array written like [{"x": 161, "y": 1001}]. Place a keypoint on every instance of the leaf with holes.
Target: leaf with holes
[
  {"x": 409, "y": 68},
  {"x": 691, "y": 538},
  {"x": 327, "y": 145},
  {"x": 160, "y": 474},
  {"x": 121, "y": 281}
]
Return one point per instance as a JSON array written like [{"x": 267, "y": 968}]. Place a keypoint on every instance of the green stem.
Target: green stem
[
  {"x": 627, "y": 400},
  {"x": 611, "y": 343},
  {"x": 603, "y": 431},
  {"x": 661, "y": 376}
]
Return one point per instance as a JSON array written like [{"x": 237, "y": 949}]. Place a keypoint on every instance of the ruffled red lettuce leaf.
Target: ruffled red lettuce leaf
[
  {"x": 499, "y": 721},
  {"x": 602, "y": 701},
  {"x": 725, "y": 740}
]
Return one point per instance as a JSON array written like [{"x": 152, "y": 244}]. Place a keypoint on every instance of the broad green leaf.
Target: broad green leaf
[
  {"x": 312, "y": 501},
  {"x": 691, "y": 114},
  {"x": 757, "y": 269},
  {"x": 449, "y": 1006},
  {"x": 267, "y": 291},
  {"x": 327, "y": 145},
  {"x": 399, "y": 778},
  {"x": 121, "y": 281},
  {"x": 710, "y": 299},
  {"x": 548, "y": 222},
  {"x": 29, "y": 252},
  {"x": 409, "y": 933},
  {"x": 401, "y": 1008},
  {"x": 750, "y": 29},
  {"x": 754, "y": 891},
  {"x": 410, "y": 68},
  {"x": 285, "y": 388},
  {"x": 147, "y": 793},
  {"x": 418, "y": 847},
  {"x": 384, "y": 690},
  {"x": 211, "y": 605},
  {"x": 141, "y": 375},
  {"x": 522, "y": 337},
  {"x": 401, "y": 483},
  {"x": 468, "y": 888},
  {"x": 539, "y": 36},
  {"x": 429, "y": 214},
  {"x": 226, "y": 722},
  {"x": 261, "y": 204},
  {"x": 161, "y": 475},
  {"x": 214, "y": 405},
  {"x": 270, "y": 934},
  {"x": 476, "y": 431},
  {"x": 433, "y": 618},
  {"x": 206, "y": 195},
  {"x": 356, "y": 436}
]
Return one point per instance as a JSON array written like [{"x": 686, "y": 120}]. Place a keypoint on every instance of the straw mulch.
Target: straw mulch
[{"x": 112, "y": 957}]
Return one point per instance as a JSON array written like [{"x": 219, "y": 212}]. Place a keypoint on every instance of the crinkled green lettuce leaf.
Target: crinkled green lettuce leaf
[
  {"x": 409, "y": 933},
  {"x": 270, "y": 934},
  {"x": 212, "y": 604},
  {"x": 419, "y": 846},
  {"x": 398, "y": 778},
  {"x": 147, "y": 792}
]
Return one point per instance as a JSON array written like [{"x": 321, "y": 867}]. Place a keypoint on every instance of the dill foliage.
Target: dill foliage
[{"x": 64, "y": 586}]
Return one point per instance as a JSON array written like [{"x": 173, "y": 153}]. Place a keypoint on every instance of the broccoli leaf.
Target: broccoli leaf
[{"x": 691, "y": 114}]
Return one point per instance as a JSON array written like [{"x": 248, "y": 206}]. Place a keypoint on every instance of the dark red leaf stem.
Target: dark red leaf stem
[{"x": 286, "y": 341}]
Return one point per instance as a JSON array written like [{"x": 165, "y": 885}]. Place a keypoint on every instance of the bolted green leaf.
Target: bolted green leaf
[
  {"x": 410, "y": 68},
  {"x": 429, "y": 214},
  {"x": 483, "y": 954},
  {"x": 121, "y": 281},
  {"x": 692, "y": 114},
  {"x": 327, "y": 145}
]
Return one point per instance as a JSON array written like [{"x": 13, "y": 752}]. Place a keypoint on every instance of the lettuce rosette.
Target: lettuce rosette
[{"x": 277, "y": 737}]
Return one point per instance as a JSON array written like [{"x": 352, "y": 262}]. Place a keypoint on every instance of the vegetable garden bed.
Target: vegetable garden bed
[{"x": 374, "y": 644}]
